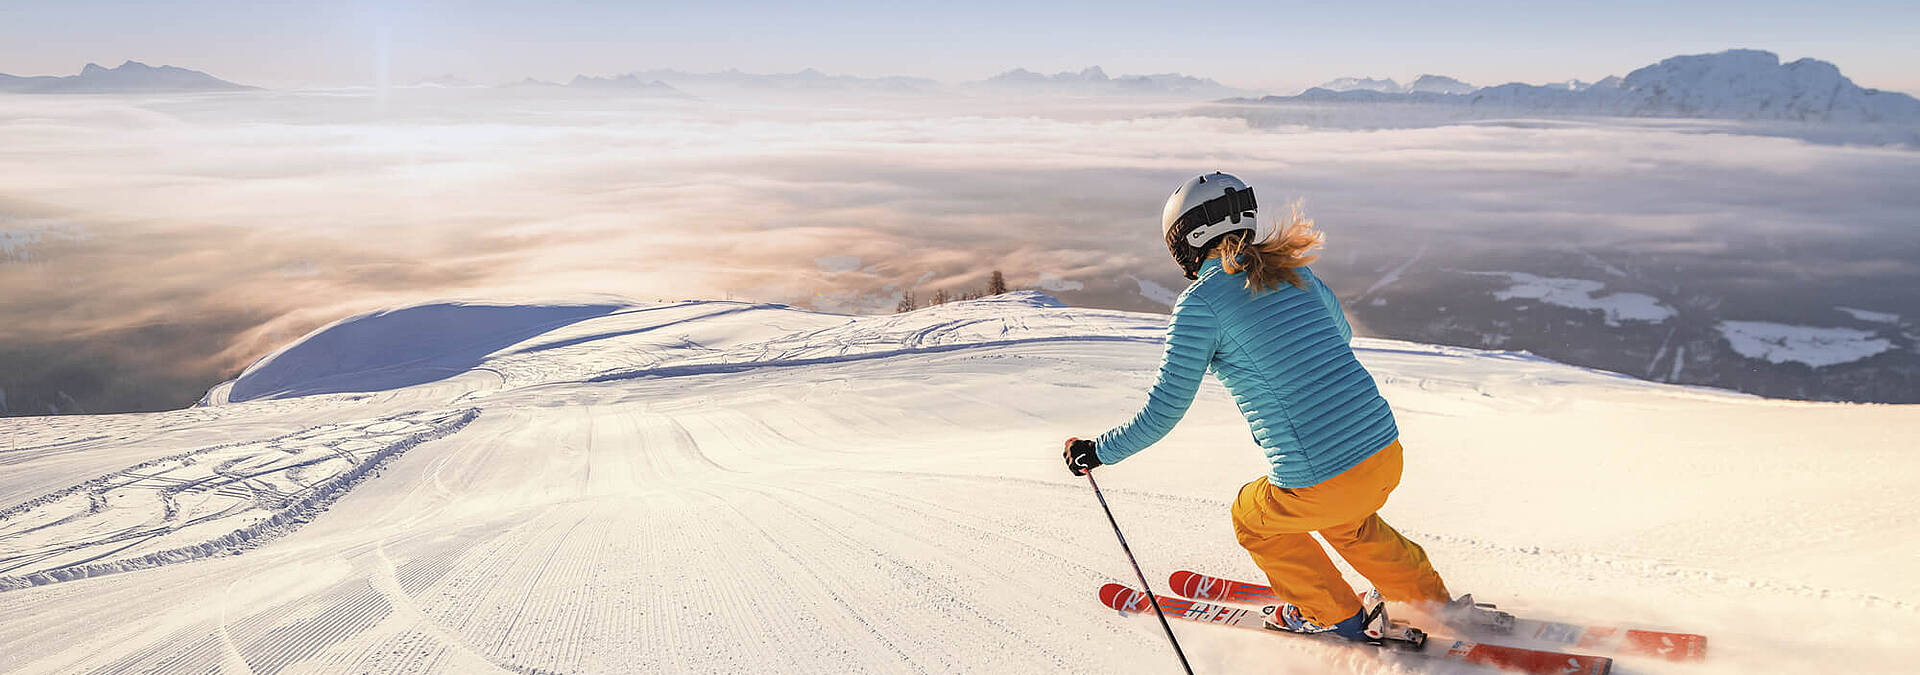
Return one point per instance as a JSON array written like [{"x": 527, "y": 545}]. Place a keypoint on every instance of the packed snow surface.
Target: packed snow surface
[
  {"x": 712, "y": 486},
  {"x": 1584, "y": 294},
  {"x": 1812, "y": 345}
]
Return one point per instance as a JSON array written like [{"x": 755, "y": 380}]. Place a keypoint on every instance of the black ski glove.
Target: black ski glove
[{"x": 1080, "y": 456}]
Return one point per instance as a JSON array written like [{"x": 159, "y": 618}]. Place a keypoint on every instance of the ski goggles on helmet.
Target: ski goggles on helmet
[{"x": 1232, "y": 206}]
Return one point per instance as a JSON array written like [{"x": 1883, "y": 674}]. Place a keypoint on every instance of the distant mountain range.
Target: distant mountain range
[
  {"x": 448, "y": 81},
  {"x": 630, "y": 83},
  {"x": 808, "y": 79},
  {"x": 129, "y": 77},
  {"x": 660, "y": 82},
  {"x": 1094, "y": 80},
  {"x": 1735, "y": 84},
  {"x": 1740, "y": 84},
  {"x": 1090, "y": 81},
  {"x": 1426, "y": 84}
]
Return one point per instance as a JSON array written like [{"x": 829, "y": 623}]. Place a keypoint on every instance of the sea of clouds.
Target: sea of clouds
[{"x": 189, "y": 235}]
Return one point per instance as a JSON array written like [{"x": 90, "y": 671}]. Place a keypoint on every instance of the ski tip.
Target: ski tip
[
  {"x": 1182, "y": 582},
  {"x": 1202, "y": 587},
  {"x": 1121, "y": 598},
  {"x": 1577, "y": 664},
  {"x": 1669, "y": 646}
]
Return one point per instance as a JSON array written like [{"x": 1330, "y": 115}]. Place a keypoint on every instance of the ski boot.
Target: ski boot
[
  {"x": 1466, "y": 615},
  {"x": 1370, "y": 625}
]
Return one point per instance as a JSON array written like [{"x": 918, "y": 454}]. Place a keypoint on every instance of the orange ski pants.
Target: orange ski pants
[{"x": 1273, "y": 523}]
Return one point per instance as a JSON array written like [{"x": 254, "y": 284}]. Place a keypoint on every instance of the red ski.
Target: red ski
[
  {"x": 1626, "y": 641},
  {"x": 1413, "y": 642}
]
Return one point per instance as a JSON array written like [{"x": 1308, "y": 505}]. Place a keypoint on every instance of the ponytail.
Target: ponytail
[{"x": 1275, "y": 262}]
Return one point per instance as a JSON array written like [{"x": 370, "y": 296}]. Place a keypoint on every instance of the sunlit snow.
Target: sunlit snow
[
  {"x": 1584, "y": 294},
  {"x": 710, "y": 486},
  {"x": 1152, "y": 290},
  {"x": 1811, "y": 345}
]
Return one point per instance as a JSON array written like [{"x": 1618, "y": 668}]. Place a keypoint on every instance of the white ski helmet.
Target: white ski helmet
[{"x": 1202, "y": 209}]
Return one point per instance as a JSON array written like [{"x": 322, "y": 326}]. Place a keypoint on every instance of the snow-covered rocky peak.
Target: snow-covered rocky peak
[
  {"x": 1022, "y": 75},
  {"x": 1749, "y": 83},
  {"x": 628, "y": 83},
  {"x": 1425, "y": 84},
  {"x": 1386, "y": 85},
  {"x": 1093, "y": 74},
  {"x": 1438, "y": 84}
]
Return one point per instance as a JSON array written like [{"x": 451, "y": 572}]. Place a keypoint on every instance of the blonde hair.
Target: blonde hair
[{"x": 1274, "y": 262}]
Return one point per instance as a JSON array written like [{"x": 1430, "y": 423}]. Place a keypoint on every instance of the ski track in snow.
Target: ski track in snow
[{"x": 731, "y": 487}]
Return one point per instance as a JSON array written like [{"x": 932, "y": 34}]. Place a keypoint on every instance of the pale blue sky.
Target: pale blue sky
[{"x": 1263, "y": 45}]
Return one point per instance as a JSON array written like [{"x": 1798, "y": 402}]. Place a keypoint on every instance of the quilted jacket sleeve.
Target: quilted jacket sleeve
[
  {"x": 1333, "y": 305},
  {"x": 1191, "y": 338}
]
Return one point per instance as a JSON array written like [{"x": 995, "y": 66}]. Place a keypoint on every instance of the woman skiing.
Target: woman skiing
[{"x": 1274, "y": 335}]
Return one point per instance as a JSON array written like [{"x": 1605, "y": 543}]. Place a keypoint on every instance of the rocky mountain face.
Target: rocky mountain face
[{"x": 129, "y": 77}]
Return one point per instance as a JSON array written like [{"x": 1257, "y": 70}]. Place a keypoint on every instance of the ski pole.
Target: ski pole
[{"x": 1144, "y": 586}]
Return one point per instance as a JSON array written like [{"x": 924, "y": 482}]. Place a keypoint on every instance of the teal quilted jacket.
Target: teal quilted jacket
[{"x": 1284, "y": 356}]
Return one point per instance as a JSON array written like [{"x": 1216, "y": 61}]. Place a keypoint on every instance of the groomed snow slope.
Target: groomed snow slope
[{"x": 731, "y": 487}]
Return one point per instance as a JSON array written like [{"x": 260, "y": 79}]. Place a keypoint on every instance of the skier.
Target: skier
[{"x": 1274, "y": 335}]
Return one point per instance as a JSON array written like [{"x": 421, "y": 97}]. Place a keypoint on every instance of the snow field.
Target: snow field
[
  {"x": 1584, "y": 294},
  {"x": 724, "y": 487},
  {"x": 1812, "y": 345}
]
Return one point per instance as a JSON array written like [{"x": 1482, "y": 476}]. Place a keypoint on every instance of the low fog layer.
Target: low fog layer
[{"x": 154, "y": 246}]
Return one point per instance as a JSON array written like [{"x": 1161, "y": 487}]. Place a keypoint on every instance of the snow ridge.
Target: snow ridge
[{"x": 399, "y": 347}]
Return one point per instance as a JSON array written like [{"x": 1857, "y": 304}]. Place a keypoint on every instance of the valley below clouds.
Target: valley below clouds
[{"x": 152, "y": 246}]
